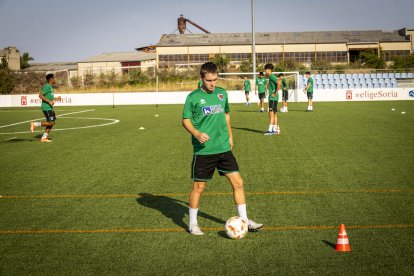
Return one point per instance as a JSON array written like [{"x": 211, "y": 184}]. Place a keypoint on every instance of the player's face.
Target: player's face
[
  {"x": 268, "y": 72},
  {"x": 209, "y": 81},
  {"x": 52, "y": 81}
]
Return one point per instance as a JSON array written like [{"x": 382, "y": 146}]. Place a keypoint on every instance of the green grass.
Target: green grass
[{"x": 349, "y": 163}]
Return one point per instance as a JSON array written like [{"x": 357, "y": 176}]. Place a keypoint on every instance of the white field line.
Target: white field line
[
  {"x": 19, "y": 123},
  {"x": 10, "y": 139},
  {"x": 112, "y": 121}
]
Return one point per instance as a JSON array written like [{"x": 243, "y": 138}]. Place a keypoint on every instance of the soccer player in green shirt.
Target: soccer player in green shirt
[
  {"x": 261, "y": 84},
  {"x": 206, "y": 117},
  {"x": 48, "y": 101},
  {"x": 246, "y": 87},
  {"x": 273, "y": 87},
  {"x": 309, "y": 91},
  {"x": 285, "y": 93}
]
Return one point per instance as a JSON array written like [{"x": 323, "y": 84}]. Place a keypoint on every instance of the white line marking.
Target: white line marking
[
  {"x": 10, "y": 139},
  {"x": 112, "y": 121},
  {"x": 43, "y": 118}
]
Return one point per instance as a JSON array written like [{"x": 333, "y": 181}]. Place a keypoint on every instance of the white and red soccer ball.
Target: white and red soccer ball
[{"x": 236, "y": 228}]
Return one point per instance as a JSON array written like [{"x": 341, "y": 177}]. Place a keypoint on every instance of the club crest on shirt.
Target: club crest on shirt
[
  {"x": 202, "y": 101},
  {"x": 221, "y": 97}
]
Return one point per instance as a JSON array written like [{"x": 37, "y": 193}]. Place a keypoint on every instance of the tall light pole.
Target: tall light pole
[{"x": 253, "y": 46}]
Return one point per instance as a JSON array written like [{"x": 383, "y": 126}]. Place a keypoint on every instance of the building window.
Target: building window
[
  {"x": 269, "y": 57},
  {"x": 171, "y": 60},
  {"x": 199, "y": 58},
  {"x": 332, "y": 56},
  {"x": 389, "y": 55}
]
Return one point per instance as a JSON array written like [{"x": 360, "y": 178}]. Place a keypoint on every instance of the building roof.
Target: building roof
[
  {"x": 169, "y": 40},
  {"x": 52, "y": 67},
  {"x": 120, "y": 57}
]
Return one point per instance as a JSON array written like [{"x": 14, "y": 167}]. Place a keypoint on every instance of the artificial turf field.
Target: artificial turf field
[{"x": 112, "y": 199}]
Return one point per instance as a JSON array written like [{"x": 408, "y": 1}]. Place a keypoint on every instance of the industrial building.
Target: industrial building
[{"x": 339, "y": 47}]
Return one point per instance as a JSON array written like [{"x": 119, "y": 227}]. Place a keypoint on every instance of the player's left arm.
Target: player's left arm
[{"x": 229, "y": 130}]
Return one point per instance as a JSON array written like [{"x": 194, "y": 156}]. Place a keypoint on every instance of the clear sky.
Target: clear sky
[{"x": 71, "y": 30}]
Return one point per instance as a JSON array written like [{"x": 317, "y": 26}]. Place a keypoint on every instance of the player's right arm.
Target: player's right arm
[
  {"x": 200, "y": 136},
  {"x": 188, "y": 125},
  {"x": 307, "y": 87},
  {"x": 43, "y": 98}
]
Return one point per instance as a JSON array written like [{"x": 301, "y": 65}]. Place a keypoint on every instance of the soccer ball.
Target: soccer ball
[{"x": 236, "y": 228}]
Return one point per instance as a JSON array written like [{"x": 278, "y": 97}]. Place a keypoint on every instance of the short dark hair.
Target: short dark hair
[
  {"x": 208, "y": 67},
  {"x": 269, "y": 66},
  {"x": 280, "y": 75},
  {"x": 49, "y": 76},
  {"x": 261, "y": 74},
  {"x": 308, "y": 73}
]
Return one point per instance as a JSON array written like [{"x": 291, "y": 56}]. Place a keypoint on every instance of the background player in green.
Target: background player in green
[
  {"x": 200, "y": 83},
  {"x": 285, "y": 93},
  {"x": 273, "y": 88},
  {"x": 48, "y": 101},
  {"x": 261, "y": 84},
  {"x": 206, "y": 117},
  {"x": 309, "y": 91},
  {"x": 246, "y": 88}
]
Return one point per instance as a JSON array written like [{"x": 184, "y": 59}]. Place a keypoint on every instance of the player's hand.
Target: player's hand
[
  {"x": 273, "y": 95},
  {"x": 231, "y": 143},
  {"x": 52, "y": 103},
  {"x": 58, "y": 98},
  {"x": 202, "y": 137}
]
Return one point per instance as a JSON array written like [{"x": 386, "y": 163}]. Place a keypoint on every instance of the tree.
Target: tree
[
  {"x": 403, "y": 62},
  {"x": 371, "y": 59},
  {"x": 222, "y": 62},
  {"x": 6, "y": 78},
  {"x": 24, "y": 60},
  {"x": 246, "y": 66}
]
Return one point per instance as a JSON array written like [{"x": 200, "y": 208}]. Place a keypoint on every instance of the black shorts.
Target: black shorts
[
  {"x": 310, "y": 95},
  {"x": 262, "y": 96},
  {"x": 50, "y": 115},
  {"x": 273, "y": 106},
  {"x": 285, "y": 95},
  {"x": 203, "y": 166},
  {"x": 246, "y": 92}
]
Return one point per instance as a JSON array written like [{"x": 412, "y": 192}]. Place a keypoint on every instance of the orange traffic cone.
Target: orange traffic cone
[{"x": 342, "y": 245}]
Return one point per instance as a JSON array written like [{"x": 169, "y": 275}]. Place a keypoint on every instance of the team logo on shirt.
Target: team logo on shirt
[
  {"x": 202, "y": 101},
  {"x": 210, "y": 110},
  {"x": 221, "y": 97}
]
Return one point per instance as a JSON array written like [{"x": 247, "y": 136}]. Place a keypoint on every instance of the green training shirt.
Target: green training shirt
[
  {"x": 261, "y": 85},
  {"x": 47, "y": 91},
  {"x": 272, "y": 88},
  {"x": 246, "y": 85},
  {"x": 285, "y": 85},
  {"x": 200, "y": 83},
  {"x": 207, "y": 114},
  {"x": 310, "y": 81}
]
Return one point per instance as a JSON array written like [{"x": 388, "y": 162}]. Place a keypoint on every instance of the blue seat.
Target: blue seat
[
  {"x": 330, "y": 76},
  {"x": 332, "y": 86},
  {"x": 404, "y": 75},
  {"x": 383, "y": 85},
  {"x": 374, "y": 81},
  {"x": 362, "y": 81},
  {"x": 324, "y": 76},
  {"x": 356, "y": 81},
  {"x": 342, "y": 76},
  {"x": 351, "y": 86},
  {"x": 394, "y": 80},
  {"x": 339, "y": 86},
  {"x": 373, "y": 76},
  {"x": 388, "y": 85},
  {"x": 326, "y": 86},
  {"x": 325, "y": 82},
  {"x": 361, "y": 76},
  {"x": 376, "y": 85},
  {"x": 350, "y": 81},
  {"x": 395, "y": 85},
  {"x": 410, "y": 75},
  {"x": 349, "y": 76},
  {"x": 364, "y": 85},
  {"x": 385, "y": 75},
  {"x": 391, "y": 75},
  {"x": 370, "y": 85},
  {"x": 336, "y": 76},
  {"x": 379, "y": 75},
  {"x": 387, "y": 80},
  {"x": 344, "y": 82},
  {"x": 398, "y": 75},
  {"x": 367, "y": 76},
  {"x": 381, "y": 81},
  {"x": 368, "y": 81}
]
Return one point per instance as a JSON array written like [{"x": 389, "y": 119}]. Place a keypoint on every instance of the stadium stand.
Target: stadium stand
[{"x": 356, "y": 81}]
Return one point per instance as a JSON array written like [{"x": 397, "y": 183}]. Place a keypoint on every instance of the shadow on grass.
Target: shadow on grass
[
  {"x": 241, "y": 110},
  {"x": 171, "y": 208},
  {"x": 330, "y": 244},
  {"x": 248, "y": 129}
]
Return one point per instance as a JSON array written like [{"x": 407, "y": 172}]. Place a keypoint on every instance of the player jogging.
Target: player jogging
[
  {"x": 246, "y": 86},
  {"x": 285, "y": 93},
  {"x": 261, "y": 84},
  {"x": 206, "y": 117},
  {"x": 309, "y": 91},
  {"x": 48, "y": 100},
  {"x": 274, "y": 86}
]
